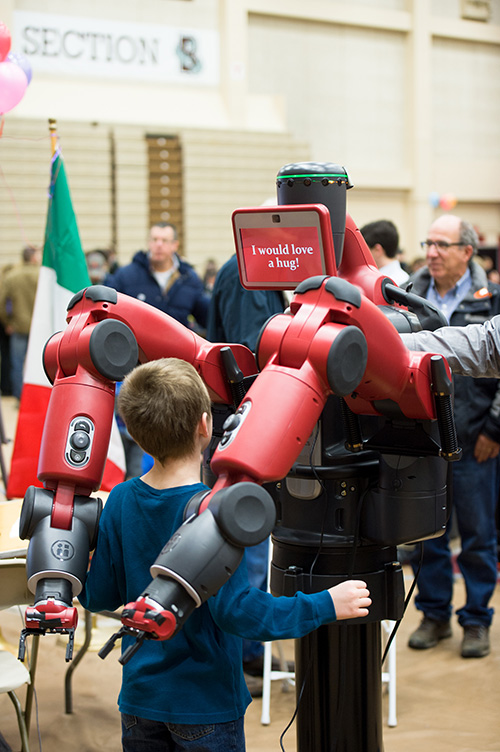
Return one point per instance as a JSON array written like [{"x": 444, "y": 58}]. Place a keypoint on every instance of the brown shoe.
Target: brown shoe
[
  {"x": 429, "y": 633},
  {"x": 476, "y": 642}
]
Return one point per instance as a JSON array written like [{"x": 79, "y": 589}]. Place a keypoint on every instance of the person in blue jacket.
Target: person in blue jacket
[
  {"x": 237, "y": 315},
  {"x": 187, "y": 692},
  {"x": 159, "y": 277}
]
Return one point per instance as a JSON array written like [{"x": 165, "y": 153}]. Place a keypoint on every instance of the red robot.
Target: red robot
[{"x": 334, "y": 356}]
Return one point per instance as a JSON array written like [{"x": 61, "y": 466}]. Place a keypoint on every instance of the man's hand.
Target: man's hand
[
  {"x": 351, "y": 599},
  {"x": 486, "y": 448}
]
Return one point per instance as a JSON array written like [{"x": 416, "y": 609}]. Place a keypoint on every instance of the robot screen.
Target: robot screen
[{"x": 279, "y": 246}]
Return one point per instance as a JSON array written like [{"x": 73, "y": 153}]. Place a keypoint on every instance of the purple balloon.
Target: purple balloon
[{"x": 22, "y": 61}]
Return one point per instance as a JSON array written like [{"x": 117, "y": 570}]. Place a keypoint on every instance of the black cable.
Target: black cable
[
  {"x": 322, "y": 532},
  {"x": 292, "y": 719},
  {"x": 355, "y": 540},
  {"x": 407, "y": 601},
  {"x": 323, "y": 493},
  {"x": 343, "y": 627}
]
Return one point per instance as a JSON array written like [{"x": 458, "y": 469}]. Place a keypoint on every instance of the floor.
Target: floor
[{"x": 444, "y": 703}]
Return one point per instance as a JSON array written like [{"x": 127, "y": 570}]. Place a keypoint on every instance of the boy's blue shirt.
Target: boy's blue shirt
[{"x": 197, "y": 676}]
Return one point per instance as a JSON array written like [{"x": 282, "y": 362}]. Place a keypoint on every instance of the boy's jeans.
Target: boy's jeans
[{"x": 142, "y": 735}]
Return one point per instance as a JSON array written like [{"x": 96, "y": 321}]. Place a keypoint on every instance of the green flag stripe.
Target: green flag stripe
[{"x": 62, "y": 250}]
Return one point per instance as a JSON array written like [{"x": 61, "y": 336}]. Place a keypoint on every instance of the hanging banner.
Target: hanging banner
[{"x": 75, "y": 46}]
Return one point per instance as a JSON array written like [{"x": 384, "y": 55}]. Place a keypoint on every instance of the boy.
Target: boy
[{"x": 186, "y": 693}]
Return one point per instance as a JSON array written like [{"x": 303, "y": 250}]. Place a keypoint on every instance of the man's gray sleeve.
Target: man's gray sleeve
[{"x": 472, "y": 350}]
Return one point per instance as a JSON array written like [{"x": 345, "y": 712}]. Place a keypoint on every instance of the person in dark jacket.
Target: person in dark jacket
[
  {"x": 17, "y": 299},
  {"x": 160, "y": 278},
  {"x": 237, "y": 315},
  {"x": 459, "y": 287}
]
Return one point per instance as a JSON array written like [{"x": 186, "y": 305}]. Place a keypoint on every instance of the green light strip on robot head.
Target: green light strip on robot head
[{"x": 315, "y": 176}]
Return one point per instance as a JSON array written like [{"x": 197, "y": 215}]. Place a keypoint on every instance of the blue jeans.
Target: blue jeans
[
  {"x": 18, "y": 347},
  {"x": 257, "y": 558},
  {"x": 142, "y": 735},
  {"x": 475, "y": 495}
]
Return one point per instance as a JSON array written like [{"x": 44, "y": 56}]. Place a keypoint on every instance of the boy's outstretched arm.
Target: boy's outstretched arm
[
  {"x": 351, "y": 599},
  {"x": 257, "y": 615}
]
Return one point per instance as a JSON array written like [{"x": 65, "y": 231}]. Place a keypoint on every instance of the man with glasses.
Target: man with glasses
[{"x": 459, "y": 287}]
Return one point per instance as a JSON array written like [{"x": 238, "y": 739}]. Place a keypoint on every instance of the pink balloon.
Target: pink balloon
[
  {"x": 5, "y": 41},
  {"x": 13, "y": 84}
]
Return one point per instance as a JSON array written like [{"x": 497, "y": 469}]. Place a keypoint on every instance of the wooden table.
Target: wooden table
[{"x": 11, "y": 545}]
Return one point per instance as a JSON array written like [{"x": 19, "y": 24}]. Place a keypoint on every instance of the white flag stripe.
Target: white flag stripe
[{"x": 49, "y": 317}]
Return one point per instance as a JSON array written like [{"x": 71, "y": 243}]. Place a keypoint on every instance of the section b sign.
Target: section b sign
[{"x": 76, "y": 46}]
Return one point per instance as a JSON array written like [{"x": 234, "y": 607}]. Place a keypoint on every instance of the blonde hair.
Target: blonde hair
[{"x": 161, "y": 403}]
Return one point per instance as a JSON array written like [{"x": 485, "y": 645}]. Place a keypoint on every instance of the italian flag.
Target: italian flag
[{"x": 62, "y": 274}]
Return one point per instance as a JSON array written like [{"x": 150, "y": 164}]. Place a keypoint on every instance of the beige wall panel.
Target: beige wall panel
[
  {"x": 466, "y": 105},
  {"x": 223, "y": 171},
  {"x": 25, "y": 163},
  {"x": 25, "y": 155},
  {"x": 453, "y": 9},
  {"x": 469, "y": 179},
  {"x": 344, "y": 88},
  {"x": 132, "y": 191},
  {"x": 368, "y": 205},
  {"x": 466, "y": 131},
  {"x": 85, "y": 149},
  {"x": 196, "y": 13},
  {"x": 387, "y": 4},
  {"x": 484, "y": 216}
]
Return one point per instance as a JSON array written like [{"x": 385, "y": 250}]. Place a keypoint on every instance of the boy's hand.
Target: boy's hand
[{"x": 351, "y": 599}]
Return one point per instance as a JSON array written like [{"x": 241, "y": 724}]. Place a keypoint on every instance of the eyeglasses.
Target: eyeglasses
[{"x": 441, "y": 245}]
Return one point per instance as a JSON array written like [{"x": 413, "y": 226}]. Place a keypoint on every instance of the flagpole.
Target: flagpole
[{"x": 53, "y": 134}]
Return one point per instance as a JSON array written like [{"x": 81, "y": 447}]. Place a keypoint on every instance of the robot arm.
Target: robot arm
[
  {"x": 194, "y": 564},
  {"x": 107, "y": 335},
  {"x": 334, "y": 341}
]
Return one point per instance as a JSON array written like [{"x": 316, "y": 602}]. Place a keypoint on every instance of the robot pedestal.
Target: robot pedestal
[
  {"x": 341, "y": 705},
  {"x": 338, "y": 667},
  {"x": 319, "y": 541}
]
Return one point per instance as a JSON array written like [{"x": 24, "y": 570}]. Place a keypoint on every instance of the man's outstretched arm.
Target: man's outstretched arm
[{"x": 472, "y": 350}]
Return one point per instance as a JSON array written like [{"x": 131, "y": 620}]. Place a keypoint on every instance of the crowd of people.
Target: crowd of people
[{"x": 452, "y": 276}]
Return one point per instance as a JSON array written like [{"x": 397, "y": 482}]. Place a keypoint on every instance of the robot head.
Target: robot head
[{"x": 317, "y": 183}]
